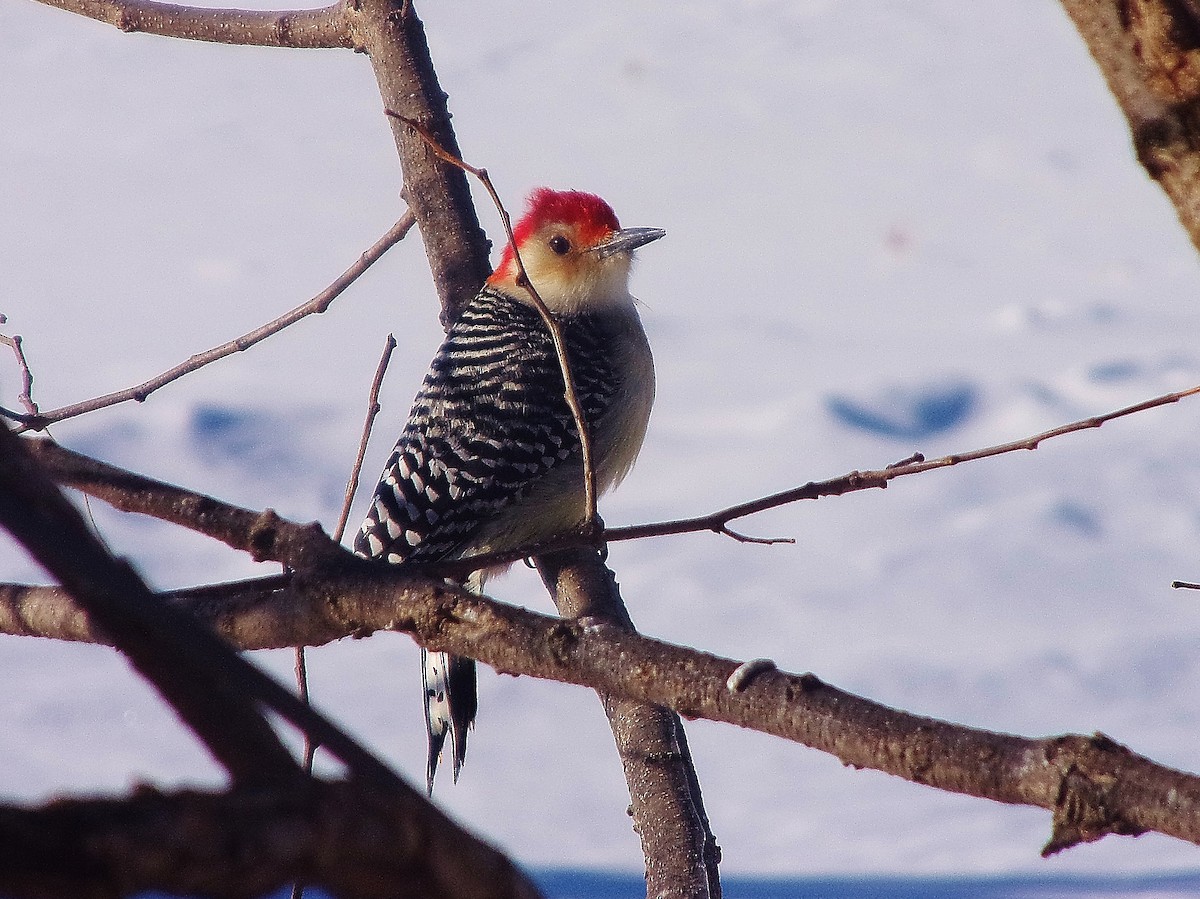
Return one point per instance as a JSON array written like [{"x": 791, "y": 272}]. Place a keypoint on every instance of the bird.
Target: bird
[{"x": 490, "y": 459}]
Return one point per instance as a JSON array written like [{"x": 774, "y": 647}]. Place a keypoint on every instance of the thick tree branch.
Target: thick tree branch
[
  {"x": 200, "y": 676},
  {"x": 304, "y": 28},
  {"x": 665, "y": 801},
  {"x": 1092, "y": 785},
  {"x": 356, "y": 842},
  {"x": 315, "y": 306},
  {"x": 1149, "y": 54},
  {"x": 212, "y": 687},
  {"x": 457, "y": 249}
]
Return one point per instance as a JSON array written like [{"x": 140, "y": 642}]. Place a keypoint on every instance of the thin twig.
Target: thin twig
[
  {"x": 863, "y": 480},
  {"x": 556, "y": 335},
  {"x": 760, "y": 541},
  {"x": 301, "y": 28},
  {"x": 316, "y": 305},
  {"x": 368, "y": 423},
  {"x": 310, "y": 746},
  {"x": 718, "y": 521}
]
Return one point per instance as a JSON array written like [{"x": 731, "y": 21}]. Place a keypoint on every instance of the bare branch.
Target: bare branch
[
  {"x": 455, "y": 245},
  {"x": 316, "y": 305},
  {"x": 665, "y": 800},
  {"x": 301, "y": 667},
  {"x": 302, "y": 28},
  {"x": 264, "y": 535},
  {"x": 865, "y": 480},
  {"x": 570, "y": 394},
  {"x": 372, "y": 411}
]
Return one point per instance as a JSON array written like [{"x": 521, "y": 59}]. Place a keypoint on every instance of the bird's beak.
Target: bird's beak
[{"x": 627, "y": 240}]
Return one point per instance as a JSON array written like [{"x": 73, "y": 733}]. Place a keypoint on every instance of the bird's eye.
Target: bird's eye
[{"x": 560, "y": 245}]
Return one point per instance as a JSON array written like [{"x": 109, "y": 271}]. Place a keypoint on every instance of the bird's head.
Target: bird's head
[{"x": 574, "y": 250}]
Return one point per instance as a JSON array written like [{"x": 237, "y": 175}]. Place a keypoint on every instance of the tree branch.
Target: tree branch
[
  {"x": 355, "y": 841},
  {"x": 1092, "y": 785},
  {"x": 26, "y": 396},
  {"x": 1146, "y": 51},
  {"x": 368, "y": 422},
  {"x": 303, "y": 28},
  {"x": 264, "y": 535},
  {"x": 301, "y": 666},
  {"x": 866, "y": 480},
  {"x": 200, "y": 676},
  {"x": 457, "y": 249},
  {"x": 665, "y": 801}
]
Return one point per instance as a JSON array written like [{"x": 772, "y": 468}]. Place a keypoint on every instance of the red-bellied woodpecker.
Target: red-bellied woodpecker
[{"x": 490, "y": 460}]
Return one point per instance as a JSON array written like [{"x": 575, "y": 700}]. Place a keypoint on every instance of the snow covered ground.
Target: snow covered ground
[{"x": 892, "y": 226}]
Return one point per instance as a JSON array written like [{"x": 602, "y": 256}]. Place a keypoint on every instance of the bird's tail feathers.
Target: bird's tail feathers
[{"x": 451, "y": 701}]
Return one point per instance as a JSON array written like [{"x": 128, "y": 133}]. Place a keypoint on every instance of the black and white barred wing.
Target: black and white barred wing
[{"x": 489, "y": 421}]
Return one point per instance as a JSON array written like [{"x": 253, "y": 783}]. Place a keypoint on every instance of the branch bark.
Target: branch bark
[
  {"x": 681, "y": 852},
  {"x": 356, "y": 842},
  {"x": 1149, "y": 54},
  {"x": 200, "y": 676},
  {"x": 394, "y": 38},
  {"x": 264, "y": 535},
  {"x": 301, "y": 28}
]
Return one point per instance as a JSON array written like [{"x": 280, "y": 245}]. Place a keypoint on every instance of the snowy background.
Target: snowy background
[{"x": 892, "y": 226}]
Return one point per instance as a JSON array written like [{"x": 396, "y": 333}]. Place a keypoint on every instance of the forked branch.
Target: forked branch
[{"x": 26, "y": 396}]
